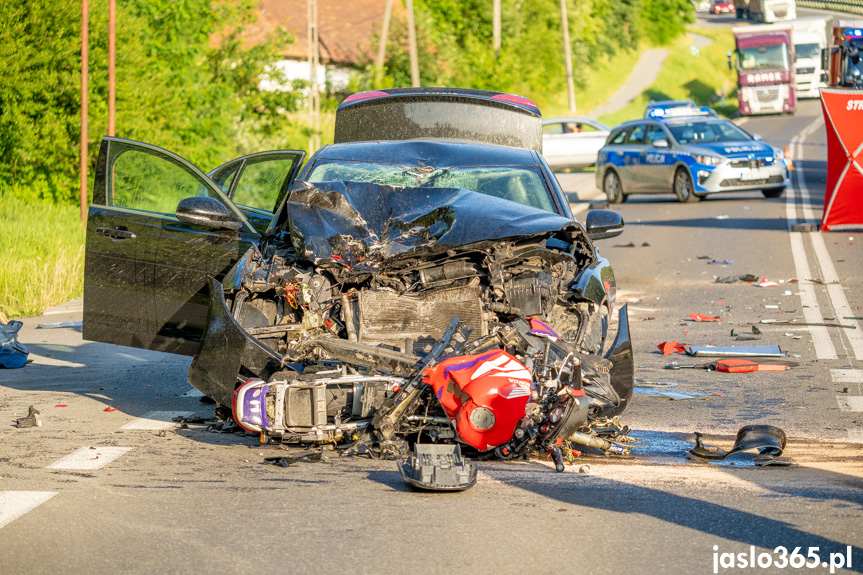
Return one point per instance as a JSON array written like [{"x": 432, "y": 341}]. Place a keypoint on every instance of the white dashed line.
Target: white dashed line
[
  {"x": 90, "y": 458},
  {"x": 850, "y": 402},
  {"x": 156, "y": 420},
  {"x": 847, "y": 375},
  {"x": 14, "y": 504}
]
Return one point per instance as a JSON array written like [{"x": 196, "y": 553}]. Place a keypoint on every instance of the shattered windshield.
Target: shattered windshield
[
  {"x": 703, "y": 132},
  {"x": 764, "y": 57},
  {"x": 520, "y": 184}
]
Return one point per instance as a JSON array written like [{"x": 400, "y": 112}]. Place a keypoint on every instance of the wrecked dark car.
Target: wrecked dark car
[{"x": 422, "y": 280}]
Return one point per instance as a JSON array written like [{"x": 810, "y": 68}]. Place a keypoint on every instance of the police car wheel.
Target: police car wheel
[
  {"x": 612, "y": 189},
  {"x": 683, "y": 187},
  {"x": 774, "y": 193}
]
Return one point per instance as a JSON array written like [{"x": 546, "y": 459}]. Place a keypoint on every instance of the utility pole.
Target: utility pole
[
  {"x": 314, "y": 54},
  {"x": 382, "y": 48},
  {"x": 85, "y": 71},
  {"x": 496, "y": 27},
  {"x": 412, "y": 45},
  {"x": 112, "y": 58},
  {"x": 567, "y": 51}
]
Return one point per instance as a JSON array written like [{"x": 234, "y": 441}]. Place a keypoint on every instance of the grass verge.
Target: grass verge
[
  {"x": 41, "y": 255},
  {"x": 700, "y": 75}
]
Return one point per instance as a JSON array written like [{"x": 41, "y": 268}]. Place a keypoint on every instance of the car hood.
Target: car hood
[
  {"x": 365, "y": 226},
  {"x": 744, "y": 148}
]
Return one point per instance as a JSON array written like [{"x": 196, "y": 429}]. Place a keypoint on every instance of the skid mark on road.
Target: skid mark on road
[
  {"x": 14, "y": 504},
  {"x": 156, "y": 420},
  {"x": 90, "y": 458}
]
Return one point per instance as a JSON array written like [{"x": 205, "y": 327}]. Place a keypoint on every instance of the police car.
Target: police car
[{"x": 688, "y": 151}]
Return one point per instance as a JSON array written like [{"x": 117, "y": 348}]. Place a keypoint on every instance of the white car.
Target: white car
[{"x": 572, "y": 142}]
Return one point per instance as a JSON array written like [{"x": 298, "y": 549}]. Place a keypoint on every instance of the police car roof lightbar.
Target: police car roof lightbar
[{"x": 681, "y": 111}]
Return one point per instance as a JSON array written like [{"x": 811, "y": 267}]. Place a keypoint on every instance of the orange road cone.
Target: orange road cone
[{"x": 788, "y": 161}]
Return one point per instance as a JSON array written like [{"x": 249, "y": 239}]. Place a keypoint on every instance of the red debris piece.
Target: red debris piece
[
  {"x": 767, "y": 283},
  {"x": 109, "y": 408},
  {"x": 745, "y": 366},
  {"x": 669, "y": 347},
  {"x": 61, "y": 405},
  {"x": 702, "y": 317}
]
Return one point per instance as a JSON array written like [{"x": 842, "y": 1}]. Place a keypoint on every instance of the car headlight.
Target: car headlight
[
  {"x": 709, "y": 160},
  {"x": 778, "y": 155}
]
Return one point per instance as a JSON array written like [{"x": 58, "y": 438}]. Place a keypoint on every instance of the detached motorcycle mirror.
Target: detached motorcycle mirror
[
  {"x": 207, "y": 212},
  {"x": 603, "y": 224}
]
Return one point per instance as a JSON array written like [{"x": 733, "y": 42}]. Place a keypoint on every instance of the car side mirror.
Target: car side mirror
[
  {"x": 207, "y": 212},
  {"x": 603, "y": 224},
  {"x": 660, "y": 143},
  {"x": 756, "y": 137}
]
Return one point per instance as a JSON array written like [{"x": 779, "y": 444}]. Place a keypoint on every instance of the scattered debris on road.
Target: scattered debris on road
[
  {"x": 32, "y": 419},
  {"x": 60, "y": 324},
  {"x": 287, "y": 460},
  {"x": 13, "y": 353},
  {"x": 767, "y": 439},
  {"x": 440, "y": 467}
]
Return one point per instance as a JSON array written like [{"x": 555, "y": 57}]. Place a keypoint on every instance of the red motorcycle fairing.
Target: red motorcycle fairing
[{"x": 484, "y": 395}]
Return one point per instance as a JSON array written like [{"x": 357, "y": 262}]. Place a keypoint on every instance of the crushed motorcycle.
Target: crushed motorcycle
[{"x": 379, "y": 318}]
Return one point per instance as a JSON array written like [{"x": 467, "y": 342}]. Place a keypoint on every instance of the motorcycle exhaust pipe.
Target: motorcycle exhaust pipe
[{"x": 590, "y": 441}]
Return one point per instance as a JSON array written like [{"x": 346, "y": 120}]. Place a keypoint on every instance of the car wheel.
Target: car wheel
[
  {"x": 683, "y": 187},
  {"x": 612, "y": 188},
  {"x": 774, "y": 193}
]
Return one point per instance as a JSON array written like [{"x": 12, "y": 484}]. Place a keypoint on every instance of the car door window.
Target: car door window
[
  {"x": 556, "y": 128},
  {"x": 655, "y": 133},
  {"x": 636, "y": 136},
  {"x": 261, "y": 182},
  {"x": 619, "y": 138},
  {"x": 143, "y": 181}
]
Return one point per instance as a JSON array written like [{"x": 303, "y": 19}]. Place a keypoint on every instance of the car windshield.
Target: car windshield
[
  {"x": 702, "y": 132},
  {"x": 764, "y": 57},
  {"x": 806, "y": 51},
  {"x": 520, "y": 184}
]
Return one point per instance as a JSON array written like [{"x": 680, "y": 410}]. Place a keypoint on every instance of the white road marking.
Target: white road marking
[
  {"x": 156, "y": 420},
  {"x": 14, "y": 504},
  {"x": 855, "y": 435},
  {"x": 850, "y": 402},
  {"x": 847, "y": 375},
  {"x": 90, "y": 458},
  {"x": 837, "y": 295},
  {"x": 824, "y": 348},
  {"x": 194, "y": 393}
]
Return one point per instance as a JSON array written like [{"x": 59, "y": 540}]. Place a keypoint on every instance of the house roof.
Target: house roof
[{"x": 347, "y": 29}]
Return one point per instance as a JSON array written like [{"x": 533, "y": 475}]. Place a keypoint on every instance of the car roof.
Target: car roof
[{"x": 427, "y": 152}]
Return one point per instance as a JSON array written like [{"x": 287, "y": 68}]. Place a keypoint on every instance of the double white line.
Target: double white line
[{"x": 824, "y": 348}]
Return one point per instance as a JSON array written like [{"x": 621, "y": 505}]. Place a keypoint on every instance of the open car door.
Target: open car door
[
  {"x": 157, "y": 229},
  {"x": 258, "y": 183}
]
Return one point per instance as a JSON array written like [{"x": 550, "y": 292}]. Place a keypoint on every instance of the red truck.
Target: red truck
[{"x": 764, "y": 58}]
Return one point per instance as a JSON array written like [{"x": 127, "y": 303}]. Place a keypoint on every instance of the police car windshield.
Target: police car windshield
[{"x": 697, "y": 132}]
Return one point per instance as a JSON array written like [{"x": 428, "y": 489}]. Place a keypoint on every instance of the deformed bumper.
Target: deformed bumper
[{"x": 226, "y": 348}]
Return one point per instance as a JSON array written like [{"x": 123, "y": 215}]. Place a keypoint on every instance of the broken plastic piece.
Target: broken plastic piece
[
  {"x": 286, "y": 460},
  {"x": 767, "y": 439},
  {"x": 737, "y": 365},
  {"x": 669, "y": 347},
  {"x": 727, "y": 262},
  {"x": 438, "y": 467},
  {"x": 767, "y": 283},
  {"x": 731, "y": 351},
  {"x": 702, "y": 317},
  {"x": 59, "y": 324},
  {"x": 32, "y": 419},
  {"x": 109, "y": 408}
]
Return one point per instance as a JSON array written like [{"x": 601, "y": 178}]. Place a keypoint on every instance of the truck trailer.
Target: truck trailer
[
  {"x": 764, "y": 57},
  {"x": 772, "y": 10}
]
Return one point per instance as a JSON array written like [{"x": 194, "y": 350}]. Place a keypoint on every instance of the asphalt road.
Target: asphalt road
[{"x": 130, "y": 491}]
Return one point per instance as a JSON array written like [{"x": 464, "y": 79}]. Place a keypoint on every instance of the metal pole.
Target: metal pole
[
  {"x": 85, "y": 39},
  {"x": 112, "y": 53},
  {"x": 567, "y": 51},
  {"x": 412, "y": 46},
  {"x": 385, "y": 30},
  {"x": 496, "y": 26}
]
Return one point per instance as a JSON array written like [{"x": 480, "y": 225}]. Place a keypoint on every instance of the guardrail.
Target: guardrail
[{"x": 852, "y": 6}]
